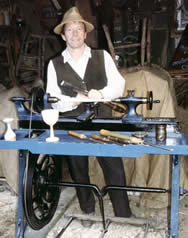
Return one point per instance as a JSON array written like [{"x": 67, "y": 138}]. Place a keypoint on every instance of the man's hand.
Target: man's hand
[{"x": 95, "y": 94}]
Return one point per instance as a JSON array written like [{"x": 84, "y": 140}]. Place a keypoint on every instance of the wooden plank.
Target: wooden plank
[
  {"x": 180, "y": 78},
  {"x": 178, "y": 74},
  {"x": 127, "y": 46},
  {"x": 177, "y": 71},
  {"x": 148, "y": 46}
]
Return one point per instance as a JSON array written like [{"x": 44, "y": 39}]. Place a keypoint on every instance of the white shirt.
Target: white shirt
[{"x": 115, "y": 82}]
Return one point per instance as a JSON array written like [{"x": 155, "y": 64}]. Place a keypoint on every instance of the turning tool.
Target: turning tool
[
  {"x": 84, "y": 137},
  {"x": 132, "y": 139},
  {"x": 119, "y": 140},
  {"x": 106, "y": 139}
]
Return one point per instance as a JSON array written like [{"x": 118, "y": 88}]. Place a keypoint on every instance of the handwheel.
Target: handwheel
[
  {"x": 38, "y": 96},
  {"x": 150, "y": 100},
  {"x": 40, "y": 200}
]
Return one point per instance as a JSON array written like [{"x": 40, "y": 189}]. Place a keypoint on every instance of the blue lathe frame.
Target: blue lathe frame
[{"x": 69, "y": 145}]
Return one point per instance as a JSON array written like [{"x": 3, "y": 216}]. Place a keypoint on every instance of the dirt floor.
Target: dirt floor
[{"x": 149, "y": 223}]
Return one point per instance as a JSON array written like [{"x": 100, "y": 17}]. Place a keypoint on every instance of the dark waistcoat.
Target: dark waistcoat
[{"x": 94, "y": 78}]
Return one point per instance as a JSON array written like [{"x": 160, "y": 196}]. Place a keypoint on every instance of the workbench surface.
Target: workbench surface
[{"x": 70, "y": 145}]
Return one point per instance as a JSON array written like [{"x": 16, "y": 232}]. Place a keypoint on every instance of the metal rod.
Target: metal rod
[
  {"x": 102, "y": 192},
  {"x": 65, "y": 226},
  {"x": 106, "y": 228},
  {"x": 89, "y": 100},
  {"x": 158, "y": 146},
  {"x": 133, "y": 189},
  {"x": 101, "y": 205}
]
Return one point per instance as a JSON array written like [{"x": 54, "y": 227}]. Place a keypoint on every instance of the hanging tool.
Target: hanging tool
[
  {"x": 84, "y": 137},
  {"x": 132, "y": 139},
  {"x": 107, "y": 139}
]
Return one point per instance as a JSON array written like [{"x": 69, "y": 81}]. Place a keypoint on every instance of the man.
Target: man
[{"x": 94, "y": 71}]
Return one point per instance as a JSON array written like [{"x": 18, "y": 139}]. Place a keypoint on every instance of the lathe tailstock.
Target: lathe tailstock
[{"x": 39, "y": 175}]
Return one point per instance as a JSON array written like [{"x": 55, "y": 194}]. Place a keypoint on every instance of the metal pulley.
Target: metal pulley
[
  {"x": 39, "y": 99},
  {"x": 151, "y": 101}
]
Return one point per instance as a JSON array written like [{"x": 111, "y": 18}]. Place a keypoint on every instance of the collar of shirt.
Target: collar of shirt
[
  {"x": 68, "y": 57},
  {"x": 80, "y": 65}
]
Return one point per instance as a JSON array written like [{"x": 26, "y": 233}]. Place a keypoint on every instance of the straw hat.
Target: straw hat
[{"x": 72, "y": 15}]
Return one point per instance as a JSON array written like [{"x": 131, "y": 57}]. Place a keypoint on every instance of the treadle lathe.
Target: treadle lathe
[{"x": 39, "y": 180}]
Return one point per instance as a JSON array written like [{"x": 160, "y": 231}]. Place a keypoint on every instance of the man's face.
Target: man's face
[{"x": 74, "y": 34}]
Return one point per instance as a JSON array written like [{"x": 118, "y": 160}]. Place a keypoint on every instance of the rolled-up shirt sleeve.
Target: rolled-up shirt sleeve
[
  {"x": 53, "y": 89},
  {"x": 115, "y": 82}
]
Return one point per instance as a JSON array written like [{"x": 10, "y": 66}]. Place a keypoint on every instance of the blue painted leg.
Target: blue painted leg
[
  {"x": 20, "y": 224},
  {"x": 175, "y": 193}
]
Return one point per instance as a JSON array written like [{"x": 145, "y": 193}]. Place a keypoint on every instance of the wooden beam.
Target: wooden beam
[
  {"x": 143, "y": 41},
  {"x": 109, "y": 41},
  {"x": 148, "y": 47}
]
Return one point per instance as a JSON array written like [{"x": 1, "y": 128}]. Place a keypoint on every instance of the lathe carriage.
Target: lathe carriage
[{"x": 39, "y": 170}]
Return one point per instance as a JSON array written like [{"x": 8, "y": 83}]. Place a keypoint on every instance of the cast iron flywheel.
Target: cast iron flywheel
[{"x": 40, "y": 200}]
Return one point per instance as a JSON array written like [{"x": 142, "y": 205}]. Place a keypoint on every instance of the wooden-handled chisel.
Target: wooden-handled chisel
[
  {"x": 84, "y": 137},
  {"x": 106, "y": 139},
  {"x": 132, "y": 139},
  {"x": 119, "y": 140}
]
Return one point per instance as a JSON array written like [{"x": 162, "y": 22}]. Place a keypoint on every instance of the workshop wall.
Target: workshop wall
[
  {"x": 124, "y": 19},
  {"x": 128, "y": 28}
]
